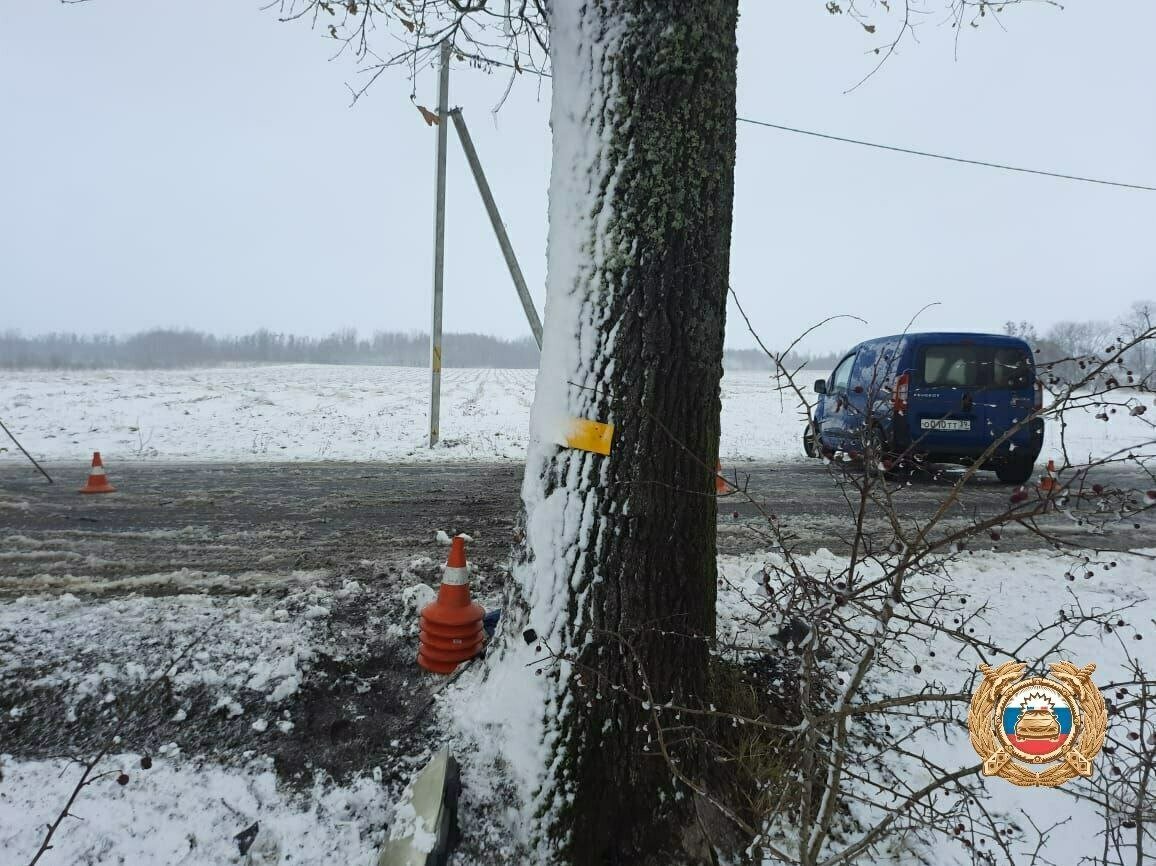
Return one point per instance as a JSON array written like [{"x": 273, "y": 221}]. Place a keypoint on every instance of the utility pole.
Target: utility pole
[
  {"x": 435, "y": 359},
  {"x": 435, "y": 354},
  {"x": 499, "y": 228}
]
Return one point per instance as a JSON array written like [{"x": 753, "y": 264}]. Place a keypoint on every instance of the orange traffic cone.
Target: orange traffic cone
[
  {"x": 721, "y": 486},
  {"x": 1049, "y": 482},
  {"x": 97, "y": 480},
  {"x": 451, "y": 626}
]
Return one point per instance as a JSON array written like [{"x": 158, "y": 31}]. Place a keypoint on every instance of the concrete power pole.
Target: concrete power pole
[{"x": 435, "y": 354}]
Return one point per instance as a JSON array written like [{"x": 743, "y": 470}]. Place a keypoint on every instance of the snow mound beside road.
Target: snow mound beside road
[
  {"x": 179, "y": 811},
  {"x": 95, "y": 649}
]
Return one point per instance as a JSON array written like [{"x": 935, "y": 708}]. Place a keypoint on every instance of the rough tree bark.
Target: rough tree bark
[{"x": 619, "y": 551}]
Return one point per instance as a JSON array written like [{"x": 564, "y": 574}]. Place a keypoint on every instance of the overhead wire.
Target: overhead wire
[
  {"x": 913, "y": 152},
  {"x": 910, "y": 151}
]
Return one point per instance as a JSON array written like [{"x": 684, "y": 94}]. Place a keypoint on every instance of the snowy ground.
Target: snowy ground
[
  {"x": 306, "y": 693},
  {"x": 1075, "y": 826},
  {"x": 188, "y": 806},
  {"x": 317, "y": 412},
  {"x": 187, "y": 812},
  {"x": 1024, "y": 590},
  {"x": 296, "y": 705}
]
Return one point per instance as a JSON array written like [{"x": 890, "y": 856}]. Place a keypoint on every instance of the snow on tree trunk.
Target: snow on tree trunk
[{"x": 621, "y": 549}]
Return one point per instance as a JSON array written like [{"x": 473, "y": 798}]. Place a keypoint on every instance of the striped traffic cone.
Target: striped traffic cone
[
  {"x": 1048, "y": 482},
  {"x": 721, "y": 486},
  {"x": 97, "y": 480},
  {"x": 451, "y": 625}
]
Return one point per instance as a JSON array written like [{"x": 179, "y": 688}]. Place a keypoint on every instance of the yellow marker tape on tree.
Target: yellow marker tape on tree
[{"x": 589, "y": 435}]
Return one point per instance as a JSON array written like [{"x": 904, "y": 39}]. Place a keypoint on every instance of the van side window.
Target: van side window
[
  {"x": 842, "y": 374},
  {"x": 966, "y": 366},
  {"x": 1011, "y": 369},
  {"x": 950, "y": 366}
]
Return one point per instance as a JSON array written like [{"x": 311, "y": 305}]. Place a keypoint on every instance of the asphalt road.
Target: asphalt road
[{"x": 268, "y": 518}]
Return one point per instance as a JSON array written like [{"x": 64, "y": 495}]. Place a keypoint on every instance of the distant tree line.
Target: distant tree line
[
  {"x": 756, "y": 359},
  {"x": 165, "y": 348},
  {"x": 1073, "y": 339},
  {"x": 170, "y": 348}
]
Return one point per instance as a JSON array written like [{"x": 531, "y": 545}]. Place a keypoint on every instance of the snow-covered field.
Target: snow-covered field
[{"x": 319, "y": 412}]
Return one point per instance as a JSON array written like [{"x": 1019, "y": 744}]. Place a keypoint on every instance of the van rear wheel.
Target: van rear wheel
[{"x": 1015, "y": 471}]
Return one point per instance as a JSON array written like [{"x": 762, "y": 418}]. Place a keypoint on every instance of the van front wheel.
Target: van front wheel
[
  {"x": 811, "y": 441},
  {"x": 1015, "y": 471}
]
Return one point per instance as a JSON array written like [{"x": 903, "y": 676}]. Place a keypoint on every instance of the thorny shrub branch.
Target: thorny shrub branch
[
  {"x": 827, "y": 774},
  {"x": 128, "y": 709}
]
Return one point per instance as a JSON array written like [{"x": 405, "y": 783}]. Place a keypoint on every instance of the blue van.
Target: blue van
[{"x": 935, "y": 398}]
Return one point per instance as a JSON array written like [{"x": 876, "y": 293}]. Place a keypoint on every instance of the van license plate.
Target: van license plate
[{"x": 944, "y": 424}]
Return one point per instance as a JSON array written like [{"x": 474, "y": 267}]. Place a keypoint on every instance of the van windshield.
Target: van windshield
[{"x": 958, "y": 366}]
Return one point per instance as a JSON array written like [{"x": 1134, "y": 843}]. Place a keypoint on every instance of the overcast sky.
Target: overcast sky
[{"x": 201, "y": 167}]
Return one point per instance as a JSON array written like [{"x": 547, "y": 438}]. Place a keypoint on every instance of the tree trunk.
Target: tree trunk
[{"x": 617, "y": 572}]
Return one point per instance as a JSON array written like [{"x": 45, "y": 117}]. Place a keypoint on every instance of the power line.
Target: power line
[
  {"x": 893, "y": 148},
  {"x": 961, "y": 159}
]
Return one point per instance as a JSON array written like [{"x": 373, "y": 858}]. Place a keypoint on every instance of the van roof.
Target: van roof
[{"x": 950, "y": 337}]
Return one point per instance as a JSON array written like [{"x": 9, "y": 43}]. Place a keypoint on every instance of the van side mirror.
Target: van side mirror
[{"x": 820, "y": 386}]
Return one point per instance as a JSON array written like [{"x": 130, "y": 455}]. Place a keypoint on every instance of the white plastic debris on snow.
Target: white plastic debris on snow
[{"x": 408, "y": 824}]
